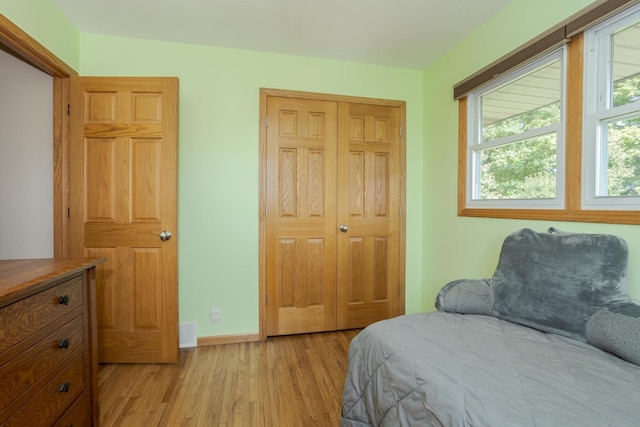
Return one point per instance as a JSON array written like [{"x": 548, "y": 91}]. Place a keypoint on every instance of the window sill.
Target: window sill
[{"x": 599, "y": 216}]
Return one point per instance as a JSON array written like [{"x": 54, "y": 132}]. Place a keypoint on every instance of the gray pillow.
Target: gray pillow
[
  {"x": 571, "y": 284},
  {"x": 617, "y": 330},
  {"x": 466, "y": 296},
  {"x": 555, "y": 282}
]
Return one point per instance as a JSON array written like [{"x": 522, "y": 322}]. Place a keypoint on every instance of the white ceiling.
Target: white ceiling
[{"x": 398, "y": 33}]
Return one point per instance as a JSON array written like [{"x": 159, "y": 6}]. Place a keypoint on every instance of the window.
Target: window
[
  {"x": 556, "y": 136},
  {"x": 611, "y": 175},
  {"x": 516, "y": 138}
]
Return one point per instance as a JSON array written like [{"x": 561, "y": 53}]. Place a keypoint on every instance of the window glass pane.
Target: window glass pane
[
  {"x": 532, "y": 101},
  {"x": 522, "y": 170},
  {"x": 626, "y": 66},
  {"x": 623, "y": 159}
]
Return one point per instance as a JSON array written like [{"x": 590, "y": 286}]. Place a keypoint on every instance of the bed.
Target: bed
[{"x": 552, "y": 339}]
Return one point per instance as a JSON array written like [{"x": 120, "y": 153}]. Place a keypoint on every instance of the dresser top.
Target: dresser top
[{"x": 23, "y": 276}]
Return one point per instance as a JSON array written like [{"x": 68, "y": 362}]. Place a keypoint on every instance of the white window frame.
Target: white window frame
[
  {"x": 475, "y": 145},
  {"x": 597, "y": 66}
]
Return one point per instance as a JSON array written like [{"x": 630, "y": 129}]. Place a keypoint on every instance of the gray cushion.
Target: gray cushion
[
  {"x": 466, "y": 296},
  {"x": 617, "y": 330},
  {"x": 555, "y": 282},
  {"x": 571, "y": 284}
]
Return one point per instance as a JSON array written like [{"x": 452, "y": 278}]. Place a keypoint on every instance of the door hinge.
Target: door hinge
[
  {"x": 400, "y": 130},
  {"x": 266, "y": 121},
  {"x": 68, "y": 109},
  {"x": 68, "y": 212}
]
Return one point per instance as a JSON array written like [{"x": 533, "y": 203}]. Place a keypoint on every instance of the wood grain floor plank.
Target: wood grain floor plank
[{"x": 286, "y": 381}]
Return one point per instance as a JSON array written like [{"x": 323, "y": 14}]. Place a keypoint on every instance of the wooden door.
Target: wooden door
[
  {"x": 332, "y": 163},
  {"x": 369, "y": 197},
  {"x": 300, "y": 215},
  {"x": 123, "y": 174}
]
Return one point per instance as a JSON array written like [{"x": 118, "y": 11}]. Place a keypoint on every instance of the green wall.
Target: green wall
[
  {"x": 218, "y": 150},
  {"x": 43, "y": 21},
  {"x": 457, "y": 247},
  {"x": 218, "y": 158}
]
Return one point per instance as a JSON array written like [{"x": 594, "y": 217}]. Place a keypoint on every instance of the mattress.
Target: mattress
[{"x": 455, "y": 370}]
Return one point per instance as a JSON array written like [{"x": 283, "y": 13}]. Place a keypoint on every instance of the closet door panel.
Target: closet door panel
[
  {"x": 301, "y": 236},
  {"x": 369, "y": 209}
]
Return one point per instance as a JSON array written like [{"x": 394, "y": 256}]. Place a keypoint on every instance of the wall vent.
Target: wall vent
[{"x": 188, "y": 334}]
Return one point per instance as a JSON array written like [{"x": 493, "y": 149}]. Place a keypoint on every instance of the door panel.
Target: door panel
[
  {"x": 123, "y": 166},
  {"x": 369, "y": 205},
  {"x": 301, "y": 191}
]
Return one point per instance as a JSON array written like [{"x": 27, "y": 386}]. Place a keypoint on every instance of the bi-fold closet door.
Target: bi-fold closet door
[{"x": 332, "y": 214}]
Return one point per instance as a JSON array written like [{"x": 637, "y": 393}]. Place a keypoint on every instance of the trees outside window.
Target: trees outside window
[
  {"x": 612, "y": 144},
  {"x": 517, "y": 141}
]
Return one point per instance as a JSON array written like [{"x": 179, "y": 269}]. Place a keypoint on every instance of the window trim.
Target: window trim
[
  {"x": 599, "y": 111},
  {"x": 475, "y": 133},
  {"x": 573, "y": 158}
]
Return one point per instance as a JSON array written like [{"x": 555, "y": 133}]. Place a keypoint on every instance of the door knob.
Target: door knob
[
  {"x": 165, "y": 235},
  {"x": 344, "y": 228}
]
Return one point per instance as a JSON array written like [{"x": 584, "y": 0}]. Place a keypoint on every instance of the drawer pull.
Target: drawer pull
[
  {"x": 64, "y": 343},
  {"x": 64, "y": 300},
  {"x": 64, "y": 388}
]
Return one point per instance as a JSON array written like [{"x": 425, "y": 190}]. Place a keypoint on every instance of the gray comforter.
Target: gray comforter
[{"x": 454, "y": 370}]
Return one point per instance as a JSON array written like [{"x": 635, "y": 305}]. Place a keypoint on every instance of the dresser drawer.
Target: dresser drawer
[
  {"x": 48, "y": 339},
  {"x": 29, "y": 315},
  {"x": 24, "y": 370},
  {"x": 54, "y": 398},
  {"x": 77, "y": 415}
]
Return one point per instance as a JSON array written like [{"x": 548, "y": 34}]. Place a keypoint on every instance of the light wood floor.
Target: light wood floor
[{"x": 286, "y": 381}]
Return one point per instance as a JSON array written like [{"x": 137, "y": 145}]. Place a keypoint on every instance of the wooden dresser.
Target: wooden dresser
[{"x": 48, "y": 343}]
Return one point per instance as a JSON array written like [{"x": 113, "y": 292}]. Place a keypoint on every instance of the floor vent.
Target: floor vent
[{"x": 188, "y": 334}]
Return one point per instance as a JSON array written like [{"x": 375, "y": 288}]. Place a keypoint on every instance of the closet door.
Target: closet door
[
  {"x": 301, "y": 215},
  {"x": 333, "y": 228},
  {"x": 368, "y": 214}
]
